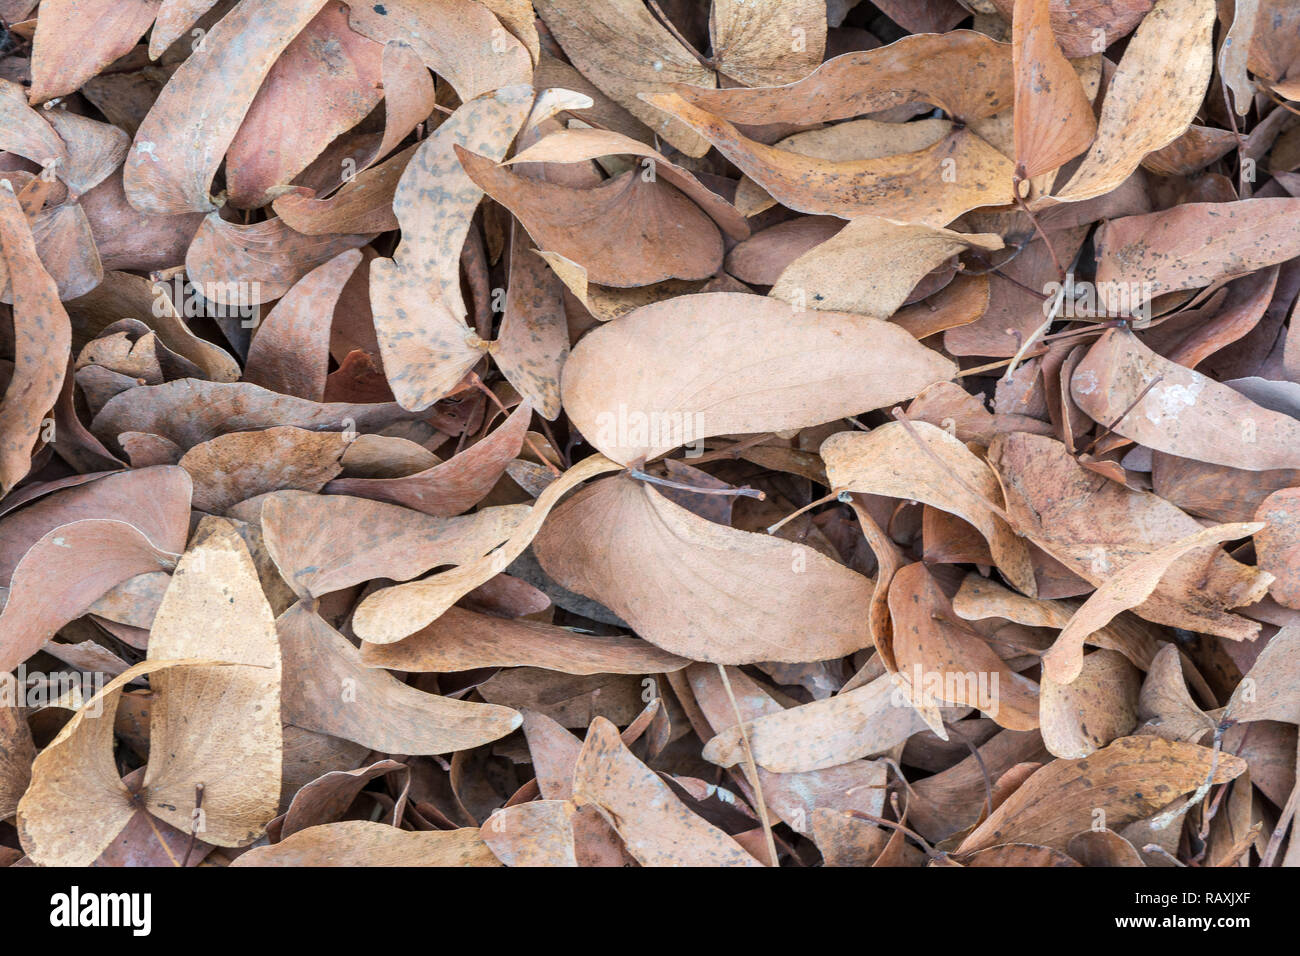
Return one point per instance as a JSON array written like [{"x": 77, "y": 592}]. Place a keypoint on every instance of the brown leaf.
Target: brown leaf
[
  {"x": 1053, "y": 114},
  {"x": 922, "y": 187},
  {"x": 329, "y": 689},
  {"x": 219, "y": 728},
  {"x": 353, "y": 539},
  {"x": 328, "y": 78},
  {"x": 463, "y": 640},
  {"x": 290, "y": 352},
  {"x": 1153, "y": 97},
  {"x": 741, "y": 597},
  {"x": 354, "y": 843},
  {"x": 1127, "y": 588},
  {"x": 174, "y": 158},
  {"x": 92, "y": 555},
  {"x": 655, "y": 825},
  {"x": 1060, "y": 799},
  {"x": 622, "y": 49},
  {"x": 237, "y": 466},
  {"x": 42, "y": 340},
  {"x": 755, "y": 365},
  {"x": 455, "y": 485},
  {"x": 75, "y": 39}
]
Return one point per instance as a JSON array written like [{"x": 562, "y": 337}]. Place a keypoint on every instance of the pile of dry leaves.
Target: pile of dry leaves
[{"x": 810, "y": 432}]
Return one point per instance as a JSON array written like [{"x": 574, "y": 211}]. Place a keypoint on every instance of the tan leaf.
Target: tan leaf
[
  {"x": 887, "y": 461},
  {"x": 964, "y": 73},
  {"x": 1153, "y": 97},
  {"x": 462, "y": 640},
  {"x": 1053, "y": 114},
  {"x": 354, "y": 843},
  {"x": 77, "y": 803},
  {"x": 219, "y": 728},
  {"x": 898, "y": 255},
  {"x": 1098, "y": 706},
  {"x": 769, "y": 42},
  {"x": 539, "y": 833},
  {"x": 824, "y": 733},
  {"x": 329, "y": 689},
  {"x": 42, "y": 338},
  {"x": 395, "y": 612},
  {"x": 455, "y": 485},
  {"x": 621, "y": 48},
  {"x": 174, "y": 158},
  {"x": 655, "y": 825},
  {"x": 1131, "y": 778},
  {"x": 1185, "y": 413},
  {"x": 1127, "y": 588},
  {"x": 755, "y": 365},
  {"x": 739, "y": 597},
  {"x": 932, "y": 186}
]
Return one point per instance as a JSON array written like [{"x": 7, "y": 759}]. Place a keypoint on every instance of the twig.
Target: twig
[
  {"x": 671, "y": 27},
  {"x": 1111, "y": 427},
  {"x": 1051, "y": 250},
  {"x": 751, "y": 768},
  {"x": 478, "y": 383},
  {"x": 911, "y": 430},
  {"x": 1033, "y": 336},
  {"x": 1157, "y": 848},
  {"x": 1275, "y": 840},
  {"x": 733, "y": 450},
  {"x": 194, "y": 831},
  {"x": 745, "y": 492},
  {"x": 772, "y": 528},
  {"x": 930, "y": 851},
  {"x": 979, "y": 760},
  {"x": 991, "y": 366},
  {"x": 1282, "y": 103}
]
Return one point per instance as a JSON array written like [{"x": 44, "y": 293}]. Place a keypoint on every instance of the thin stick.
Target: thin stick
[
  {"x": 1282, "y": 103},
  {"x": 1236, "y": 134},
  {"x": 1275, "y": 840},
  {"x": 751, "y": 767},
  {"x": 772, "y": 528},
  {"x": 1157, "y": 848},
  {"x": 991, "y": 366},
  {"x": 731, "y": 451},
  {"x": 1033, "y": 336},
  {"x": 1051, "y": 250},
  {"x": 1111, "y": 427},
  {"x": 745, "y": 492},
  {"x": 930, "y": 851},
  {"x": 550, "y": 436},
  {"x": 194, "y": 832},
  {"x": 979, "y": 760},
  {"x": 478, "y": 382},
  {"x": 677, "y": 35},
  {"x": 1242, "y": 846},
  {"x": 911, "y": 430}
]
